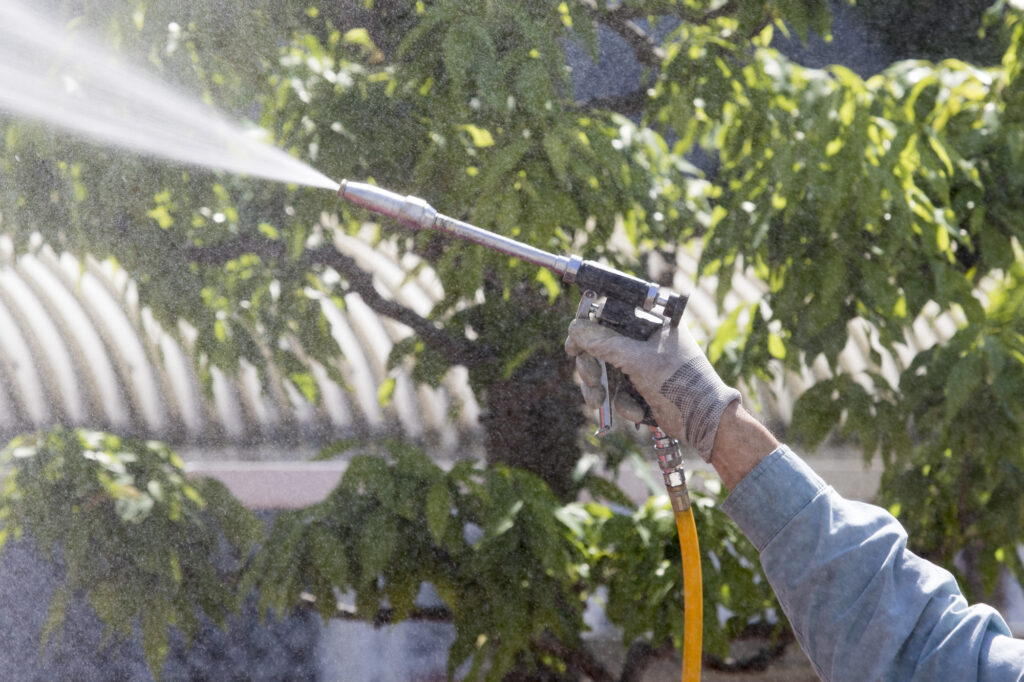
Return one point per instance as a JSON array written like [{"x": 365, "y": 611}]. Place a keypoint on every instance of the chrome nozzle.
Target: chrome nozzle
[{"x": 412, "y": 211}]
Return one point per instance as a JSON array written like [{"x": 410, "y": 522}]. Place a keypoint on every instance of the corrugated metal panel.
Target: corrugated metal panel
[{"x": 77, "y": 348}]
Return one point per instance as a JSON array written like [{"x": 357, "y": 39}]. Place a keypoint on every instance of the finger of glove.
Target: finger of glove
[
  {"x": 589, "y": 369},
  {"x": 572, "y": 349},
  {"x": 593, "y": 395},
  {"x": 602, "y": 342},
  {"x": 628, "y": 407}
]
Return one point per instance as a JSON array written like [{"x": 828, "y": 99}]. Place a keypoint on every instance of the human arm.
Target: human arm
[
  {"x": 862, "y": 606},
  {"x": 741, "y": 443}
]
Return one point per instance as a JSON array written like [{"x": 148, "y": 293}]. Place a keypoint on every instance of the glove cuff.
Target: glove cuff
[
  {"x": 701, "y": 398},
  {"x": 705, "y": 429}
]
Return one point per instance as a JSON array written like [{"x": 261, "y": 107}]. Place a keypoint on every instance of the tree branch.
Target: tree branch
[
  {"x": 776, "y": 646},
  {"x": 457, "y": 351},
  {"x": 620, "y": 20},
  {"x": 386, "y": 615},
  {"x": 575, "y": 656},
  {"x": 627, "y": 104},
  {"x": 640, "y": 655}
]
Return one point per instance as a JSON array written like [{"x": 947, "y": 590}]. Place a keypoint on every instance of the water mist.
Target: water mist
[{"x": 70, "y": 81}]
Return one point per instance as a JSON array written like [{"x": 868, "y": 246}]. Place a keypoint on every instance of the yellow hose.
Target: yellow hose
[
  {"x": 693, "y": 595},
  {"x": 670, "y": 461}
]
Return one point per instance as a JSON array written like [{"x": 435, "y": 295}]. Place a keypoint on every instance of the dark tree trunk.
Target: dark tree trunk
[{"x": 532, "y": 421}]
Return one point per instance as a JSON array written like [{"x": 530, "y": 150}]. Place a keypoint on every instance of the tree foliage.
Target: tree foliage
[
  {"x": 133, "y": 534},
  {"x": 512, "y": 564},
  {"x": 867, "y": 201}
]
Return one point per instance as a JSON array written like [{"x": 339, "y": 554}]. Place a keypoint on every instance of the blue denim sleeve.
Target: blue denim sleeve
[{"x": 862, "y": 606}]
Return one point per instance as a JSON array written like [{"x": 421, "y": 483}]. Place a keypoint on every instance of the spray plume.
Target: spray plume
[{"x": 71, "y": 82}]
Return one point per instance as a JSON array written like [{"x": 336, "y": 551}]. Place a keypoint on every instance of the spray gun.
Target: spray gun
[{"x": 633, "y": 307}]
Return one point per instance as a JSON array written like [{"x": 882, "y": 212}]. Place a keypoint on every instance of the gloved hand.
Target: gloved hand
[{"x": 669, "y": 370}]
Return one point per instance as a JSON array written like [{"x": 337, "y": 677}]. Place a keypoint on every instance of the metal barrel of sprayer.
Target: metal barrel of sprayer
[{"x": 417, "y": 213}]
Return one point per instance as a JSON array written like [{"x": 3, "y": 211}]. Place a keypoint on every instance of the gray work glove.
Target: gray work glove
[{"x": 669, "y": 370}]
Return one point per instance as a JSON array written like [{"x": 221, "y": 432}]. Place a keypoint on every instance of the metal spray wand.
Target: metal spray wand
[{"x": 630, "y": 305}]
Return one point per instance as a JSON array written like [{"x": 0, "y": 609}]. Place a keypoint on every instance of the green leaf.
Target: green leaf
[
  {"x": 337, "y": 449},
  {"x": 469, "y": 53},
  {"x": 241, "y": 527},
  {"x": 504, "y": 521},
  {"x": 966, "y": 375},
  {"x": 55, "y": 615},
  {"x": 552, "y": 284},
  {"x": 533, "y": 86},
  {"x": 368, "y": 474},
  {"x": 438, "y": 510},
  {"x": 584, "y": 27},
  {"x": 155, "y": 635},
  {"x": 402, "y": 589},
  {"x": 573, "y": 517},
  {"x": 776, "y": 347},
  {"x": 557, "y": 153},
  {"x": 816, "y": 413},
  {"x": 306, "y": 383},
  {"x": 323, "y": 594},
  {"x": 328, "y": 555},
  {"x": 360, "y": 37},
  {"x": 481, "y": 136},
  {"x": 602, "y": 488},
  {"x": 385, "y": 391},
  {"x": 378, "y": 541},
  {"x": 726, "y": 333},
  {"x": 500, "y": 165}
]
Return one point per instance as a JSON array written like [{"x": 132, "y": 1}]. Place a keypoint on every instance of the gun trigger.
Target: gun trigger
[
  {"x": 588, "y": 304},
  {"x": 604, "y": 413}
]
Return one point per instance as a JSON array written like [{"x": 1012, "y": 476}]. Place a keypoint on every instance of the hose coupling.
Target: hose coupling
[{"x": 670, "y": 461}]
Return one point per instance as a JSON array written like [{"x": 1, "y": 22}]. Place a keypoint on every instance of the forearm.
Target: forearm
[{"x": 740, "y": 445}]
